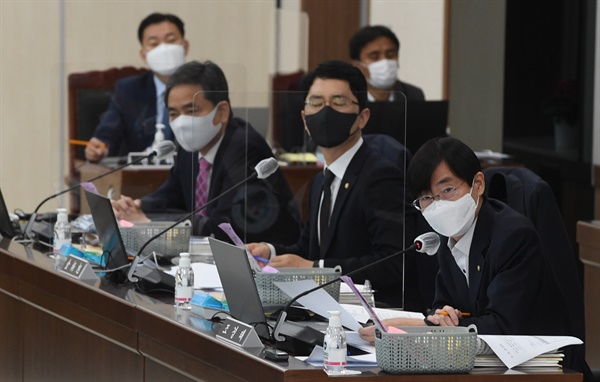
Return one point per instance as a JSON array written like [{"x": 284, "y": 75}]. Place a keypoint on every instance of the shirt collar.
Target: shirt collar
[
  {"x": 339, "y": 166},
  {"x": 160, "y": 87},
  {"x": 391, "y": 98},
  {"x": 464, "y": 244},
  {"x": 212, "y": 153}
]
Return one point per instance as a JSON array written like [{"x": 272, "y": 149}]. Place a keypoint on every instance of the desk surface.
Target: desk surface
[{"x": 56, "y": 327}]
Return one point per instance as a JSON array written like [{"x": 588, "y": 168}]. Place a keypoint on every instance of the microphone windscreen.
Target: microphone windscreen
[
  {"x": 164, "y": 148},
  {"x": 428, "y": 243},
  {"x": 266, "y": 167}
]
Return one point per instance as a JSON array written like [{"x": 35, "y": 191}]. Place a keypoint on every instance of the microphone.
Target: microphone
[
  {"x": 262, "y": 170},
  {"x": 426, "y": 243},
  {"x": 162, "y": 150}
]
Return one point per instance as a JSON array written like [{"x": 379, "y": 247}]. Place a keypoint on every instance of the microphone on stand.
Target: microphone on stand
[
  {"x": 428, "y": 243},
  {"x": 262, "y": 170},
  {"x": 162, "y": 150}
]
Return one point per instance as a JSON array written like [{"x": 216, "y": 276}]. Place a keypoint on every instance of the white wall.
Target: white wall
[
  {"x": 419, "y": 26},
  {"x": 236, "y": 34}
]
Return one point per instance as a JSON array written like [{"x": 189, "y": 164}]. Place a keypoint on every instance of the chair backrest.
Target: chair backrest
[
  {"x": 531, "y": 196},
  {"x": 389, "y": 149},
  {"x": 89, "y": 96},
  {"x": 287, "y": 103}
]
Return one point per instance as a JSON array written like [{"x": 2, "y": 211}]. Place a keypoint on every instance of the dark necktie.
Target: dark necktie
[{"x": 325, "y": 210}]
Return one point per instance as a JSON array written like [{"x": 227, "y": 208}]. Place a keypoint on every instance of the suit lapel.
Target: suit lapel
[
  {"x": 477, "y": 253},
  {"x": 346, "y": 186}
]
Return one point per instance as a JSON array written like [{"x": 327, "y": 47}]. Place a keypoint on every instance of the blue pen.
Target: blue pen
[{"x": 258, "y": 258}]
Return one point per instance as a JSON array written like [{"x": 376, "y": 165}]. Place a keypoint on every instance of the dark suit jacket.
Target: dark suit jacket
[
  {"x": 510, "y": 288},
  {"x": 366, "y": 225},
  {"x": 411, "y": 92},
  {"x": 268, "y": 213},
  {"x": 130, "y": 121}
]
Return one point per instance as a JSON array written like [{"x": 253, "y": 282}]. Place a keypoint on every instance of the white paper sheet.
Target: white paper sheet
[
  {"x": 318, "y": 301},
  {"x": 514, "y": 350},
  {"x": 205, "y": 276}
]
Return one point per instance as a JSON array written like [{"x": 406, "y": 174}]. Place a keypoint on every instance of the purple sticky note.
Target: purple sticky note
[{"x": 91, "y": 187}]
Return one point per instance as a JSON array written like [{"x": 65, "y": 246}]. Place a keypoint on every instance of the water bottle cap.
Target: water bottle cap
[
  {"x": 335, "y": 320},
  {"x": 62, "y": 215},
  {"x": 184, "y": 259}
]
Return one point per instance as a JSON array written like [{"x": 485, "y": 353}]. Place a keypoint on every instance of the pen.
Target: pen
[
  {"x": 464, "y": 314},
  {"x": 258, "y": 258},
  {"x": 79, "y": 142}
]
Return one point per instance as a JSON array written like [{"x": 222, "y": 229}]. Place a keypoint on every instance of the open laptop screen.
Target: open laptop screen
[
  {"x": 109, "y": 234},
  {"x": 239, "y": 286}
]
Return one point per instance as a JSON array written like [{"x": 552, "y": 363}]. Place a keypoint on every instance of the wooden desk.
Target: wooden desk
[
  {"x": 54, "y": 327},
  {"x": 588, "y": 237}
]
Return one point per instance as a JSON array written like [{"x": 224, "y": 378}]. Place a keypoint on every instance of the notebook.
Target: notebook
[{"x": 239, "y": 286}]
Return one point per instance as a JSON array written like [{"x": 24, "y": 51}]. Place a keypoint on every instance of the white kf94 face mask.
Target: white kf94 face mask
[
  {"x": 165, "y": 59},
  {"x": 452, "y": 218},
  {"x": 383, "y": 73},
  {"x": 194, "y": 133}
]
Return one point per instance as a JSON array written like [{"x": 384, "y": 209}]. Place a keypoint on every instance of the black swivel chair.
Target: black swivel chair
[{"x": 531, "y": 196}]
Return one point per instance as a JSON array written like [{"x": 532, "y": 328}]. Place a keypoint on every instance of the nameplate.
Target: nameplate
[
  {"x": 239, "y": 333},
  {"x": 78, "y": 268}
]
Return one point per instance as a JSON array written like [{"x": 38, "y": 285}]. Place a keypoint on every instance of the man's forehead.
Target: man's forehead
[
  {"x": 161, "y": 29},
  {"x": 329, "y": 87}
]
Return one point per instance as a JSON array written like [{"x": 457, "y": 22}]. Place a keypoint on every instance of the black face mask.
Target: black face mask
[{"x": 330, "y": 128}]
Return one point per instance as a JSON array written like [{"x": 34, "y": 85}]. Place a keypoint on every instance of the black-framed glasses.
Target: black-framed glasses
[
  {"x": 338, "y": 102},
  {"x": 447, "y": 193}
]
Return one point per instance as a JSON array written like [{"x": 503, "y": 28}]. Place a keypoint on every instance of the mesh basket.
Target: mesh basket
[
  {"x": 270, "y": 294},
  {"x": 169, "y": 244},
  {"x": 427, "y": 350}
]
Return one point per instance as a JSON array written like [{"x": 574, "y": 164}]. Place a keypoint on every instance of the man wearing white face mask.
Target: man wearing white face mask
[
  {"x": 217, "y": 151},
  {"x": 137, "y": 106},
  {"x": 492, "y": 271},
  {"x": 375, "y": 51}
]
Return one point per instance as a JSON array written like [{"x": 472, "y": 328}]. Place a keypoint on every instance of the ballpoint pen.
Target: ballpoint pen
[
  {"x": 464, "y": 314},
  {"x": 262, "y": 259}
]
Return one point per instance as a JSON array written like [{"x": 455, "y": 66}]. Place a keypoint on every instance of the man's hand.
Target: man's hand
[
  {"x": 260, "y": 250},
  {"x": 368, "y": 333},
  {"x": 95, "y": 150},
  {"x": 290, "y": 261},
  {"x": 129, "y": 209},
  {"x": 447, "y": 316}
]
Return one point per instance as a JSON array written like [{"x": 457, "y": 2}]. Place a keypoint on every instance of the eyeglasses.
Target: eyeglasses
[
  {"x": 447, "y": 193},
  {"x": 339, "y": 102}
]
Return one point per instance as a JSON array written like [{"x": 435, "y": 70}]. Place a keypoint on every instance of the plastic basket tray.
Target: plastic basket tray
[
  {"x": 169, "y": 244},
  {"x": 270, "y": 294},
  {"x": 427, "y": 350}
]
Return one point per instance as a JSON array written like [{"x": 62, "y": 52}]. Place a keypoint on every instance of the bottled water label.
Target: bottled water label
[
  {"x": 334, "y": 358},
  {"x": 183, "y": 294}
]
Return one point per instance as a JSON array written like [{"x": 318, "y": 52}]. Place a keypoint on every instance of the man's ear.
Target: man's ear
[
  {"x": 479, "y": 184},
  {"x": 363, "y": 118},
  {"x": 304, "y": 121},
  {"x": 143, "y": 54},
  {"x": 222, "y": 114},
  {"x": 186, "y": 46}
]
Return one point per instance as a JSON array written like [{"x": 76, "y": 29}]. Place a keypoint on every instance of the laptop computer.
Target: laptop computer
[
  {"x": 150, "y": 279},
  {"x": 239, "y": 286},
  {"x": 6, "y": 227}
]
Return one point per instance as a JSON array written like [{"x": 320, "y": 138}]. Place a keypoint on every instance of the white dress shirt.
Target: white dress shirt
[{"x": 460, "y": 250}]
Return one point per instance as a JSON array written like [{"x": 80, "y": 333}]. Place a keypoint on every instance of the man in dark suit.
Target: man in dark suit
[
  {"x": 137, "y": 106},
  {"x": 217, "y": 151},
  {"x": 375, "y": 50},
  {"x": 357, "y": 217},
  {"x": 491, "y": 262}
]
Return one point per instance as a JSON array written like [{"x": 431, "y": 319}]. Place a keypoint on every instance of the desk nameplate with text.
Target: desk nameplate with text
[
  {"x": 238, "y": 333},
  {"x": 78, "y": 268}
]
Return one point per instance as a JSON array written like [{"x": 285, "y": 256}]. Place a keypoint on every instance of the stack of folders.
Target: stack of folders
[{"x": 521, "y": 351}]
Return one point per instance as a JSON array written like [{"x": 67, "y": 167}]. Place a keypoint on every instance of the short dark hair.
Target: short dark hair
[
  {"x": 338, "y": 70},
  {"x": 156, "y": 18},
  {"x": 207, "y": 75},
  {"x": 367, "y": 34},
  {"x": 459, "y": 157}
]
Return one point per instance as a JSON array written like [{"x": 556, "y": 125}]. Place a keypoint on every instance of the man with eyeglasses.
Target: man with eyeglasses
[
  {"x": 357, "y": 204},
  {"x": 492, "y": 272}
]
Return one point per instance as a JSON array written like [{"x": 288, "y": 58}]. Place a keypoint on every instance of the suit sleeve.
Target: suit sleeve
[
  {"x": 169, "y": 196},
  {"x": 111, "y": 128},
  {"x": 508, "y": 297},
  {"x": 383, "y": 206}
]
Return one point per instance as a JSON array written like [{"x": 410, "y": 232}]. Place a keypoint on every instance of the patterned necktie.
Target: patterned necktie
[
  {"x": 325, "y": 211},
  {"x": 201, "y": 196}
]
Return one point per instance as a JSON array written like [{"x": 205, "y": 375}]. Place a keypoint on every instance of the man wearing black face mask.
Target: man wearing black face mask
[{"x": 357, "y": 204}]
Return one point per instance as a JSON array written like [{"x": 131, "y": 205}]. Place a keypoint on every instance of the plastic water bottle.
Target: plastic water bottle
[
  {"x": 184, "y": 282},
  {"x": 334, "y": 345},
  {"x": 62, "y": 230}
]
